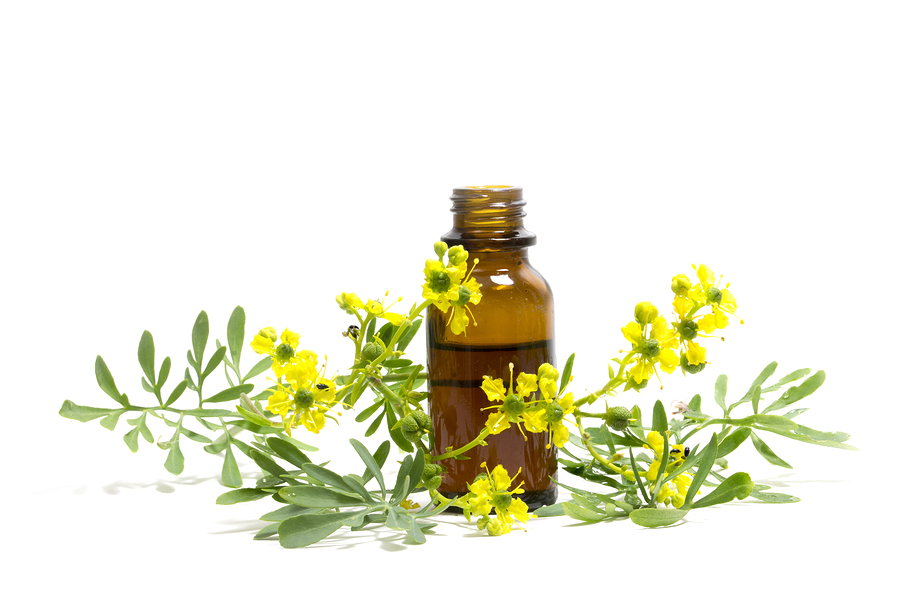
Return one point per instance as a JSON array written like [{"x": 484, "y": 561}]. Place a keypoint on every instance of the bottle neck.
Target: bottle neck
[{"x": 489, "y": 219}]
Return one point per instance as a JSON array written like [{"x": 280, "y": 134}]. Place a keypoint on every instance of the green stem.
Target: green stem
[
  {"x": 610, "y": 386},
  {"x": 599, "y": 457},
  {"x": 458, "y": 451}
]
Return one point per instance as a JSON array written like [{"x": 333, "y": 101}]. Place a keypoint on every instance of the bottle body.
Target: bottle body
[{"x": 514, "y": 326}]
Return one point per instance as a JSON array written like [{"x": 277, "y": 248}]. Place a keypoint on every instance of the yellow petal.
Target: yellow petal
[
  {"x": 494, "y": 389},
  {"x": 526, "y": 383},
  {"x": 633, "y": 332}
]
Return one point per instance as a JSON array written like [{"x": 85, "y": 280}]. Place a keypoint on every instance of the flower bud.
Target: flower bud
[
  {"x": 618, "y": 417},
  {"x": 410, "y": 428},
  {"x": 713, "y": 295},
  {"x": 422, "y": 419},
  {"x": 433, "y": 483},
  {"x": 371, "y": 351},
  {"x": 430, "y": 471},
  {"x": 645, "y": 312},
  {"x": 440, "y": 248},
  {"x": 546, "y": 371},
  {"x": 268, "y": 333},
  {"x": 689, "y": 368},
  {"x": 495, "y": 527},
  {"x": 348, "y": 302},
  {"x": 457, "y": 255},
  {"x": 681, "y": 284}
]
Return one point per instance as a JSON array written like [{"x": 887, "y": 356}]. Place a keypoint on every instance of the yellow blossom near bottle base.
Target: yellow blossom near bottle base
[{"x": 491, "y": 492}]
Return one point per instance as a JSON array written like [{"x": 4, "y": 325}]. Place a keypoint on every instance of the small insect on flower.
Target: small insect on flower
[{"x": 351, "y": 332}]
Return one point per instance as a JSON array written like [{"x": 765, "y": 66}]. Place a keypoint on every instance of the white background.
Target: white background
[{"x": 160, "y": 158}]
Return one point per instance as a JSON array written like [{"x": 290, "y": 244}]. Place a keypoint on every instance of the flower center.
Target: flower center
[
  {"x": 650, "y": 348},
  {"x": 501, "y": 500},
  {"x": 555, "y": 412},
  {"x": 284, "y": 352},
  {"x": 439, "y": 281},
  {"x": 688, "y": 330},
  {"x": 464, "y": 295},
  {"x": 713, "y": 295},
  {"x": 513, "y": 405},
  {"x": 304, "y": 399}
]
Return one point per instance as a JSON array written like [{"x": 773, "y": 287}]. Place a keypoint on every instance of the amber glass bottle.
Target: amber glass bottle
[{"x": 515, "y": 325}]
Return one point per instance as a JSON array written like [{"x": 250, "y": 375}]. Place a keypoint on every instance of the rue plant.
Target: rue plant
[{"x": 652, "y": 473}]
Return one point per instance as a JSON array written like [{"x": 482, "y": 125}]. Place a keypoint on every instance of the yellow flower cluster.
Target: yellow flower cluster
[
  {"x": 654, "y": 340},
  {"x": 303, "y": 395},
  {"x": 672, "y": 492},
  {"x": 546, "y": 413},
  {"x": 449, "y": 285},
  {"x": 350, "y": 303},
  {"x": 490, "y": 490}
]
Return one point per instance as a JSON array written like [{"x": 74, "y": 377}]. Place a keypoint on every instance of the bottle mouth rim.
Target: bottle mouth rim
[{"x": 480, "y": 191}]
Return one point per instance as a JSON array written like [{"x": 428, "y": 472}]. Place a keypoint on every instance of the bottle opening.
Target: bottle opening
[{"x": 488, "y": 217}]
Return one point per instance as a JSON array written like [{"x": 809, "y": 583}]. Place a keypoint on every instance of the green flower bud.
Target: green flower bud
[
  {"x": 464, "y": 295},
  {"x": 433, "y": 483},
  {"x": 495, "y": 527},
  {"x": 422, "y": 419},
  {"x": 440, "y": 248},
  {"x": 688, "y": 329},
  {"x": 430, "y": 471},
  {"x": 645, "y": 312},
  {"x": 457, "y": 255},
  {"x": 410, "y": 428},
  {"x": 269, "y": 332},
  {"x": 371, "y": 351},
  {"x": 681, "y": 284},
  {"x": 713, "y": 295},
  {"x": 618, "y": 417},
  {"x": 689, "y": 368},
  {"x": 416, "y": 395},
  {"x": 555, "y": 413},
  {"x": 546, "y": 371},
  {"x": 284, "y": 352}
]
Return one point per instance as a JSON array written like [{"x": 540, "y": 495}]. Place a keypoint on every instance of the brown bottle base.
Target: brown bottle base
[{"x": 534, "y": 499}]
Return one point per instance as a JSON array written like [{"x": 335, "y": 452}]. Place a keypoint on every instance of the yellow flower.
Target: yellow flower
[
  {"x": 491, "y": 491},
  {"x": 672, "y": 492},
  {"x": 650, "y": 351},
  {"x": 513, "y": 406},
  {"x": 303, "y": 393},
  {"x": 441, "y": 284},
  {"x": 349, "y": 302},
  {"x": 449, "y": 287},
  {"x": 707, "y": 293}
]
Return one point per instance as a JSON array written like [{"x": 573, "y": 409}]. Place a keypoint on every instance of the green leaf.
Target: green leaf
[
  {"x": 704, "y": 466},
  {"x": 657, "y": 517},
  {"x": 70, "y": 410},
  {"x": 230, "y": 394},
  {"x": 798, "y": 392},
  {"x": 735, "y": 439},
  {"x": 164, "y": 372},
  {"x": 721, "y": 390},
  {"x": 418, "y": 468},
  {"x": 408, "y": 335},
  {"x": 314, "y": 496},
  {"x": 199, "y": 337},
  {"x": 146, "y": 357},
  {"x": 372, "y": 466},
  {"x": 550, "y": 510},
  {"x": 660, "y": 420},
  {"x": 231, "y": 474},
  {"x": 351, "y": 482},
  {"x": 286, "y": 512},
  {"x": 207, "y": 412},
  {"x": 111, "y": 420},
  {"x": 261, "y": 367},
  {"x": 242, "y": 495},
  {"x": 236, "y": 335},
  {"x": 754, "y": 399},
  {"x": 368, "y": 412},
  {"x": 580, "y": 513},
  {"x": 214, "y": 361},
  {"x": 106, "y": 382},
  {"x": 131, "y": 439},
  {"x": 767, "y": 452},
  {"x": 266, "y": 464},
  {"x": 394, "y": 363},
  {"x": 738, "y": 486},
  {"x": 694, "y": 404},
  {"x": 760, "y": 379},
  {"x": 287, "y": 451},
  {"x": 773, "y": 498},
  {"x": 567, "y": 374},
  {"x": 297, "y": 443},
  {"x": 395, "y": 433},
  {"x": 177, "y": 392},
  {"x": 798, "y": 374},
  {"x": 267, "y": 531},
  {"x": 255, "y": 418},
  {"x": 175, "y": 460},
  {"x": 304, "y": 530},
  {"x": 370, "y": 331},
  {"x": 326, "y": 476}
]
